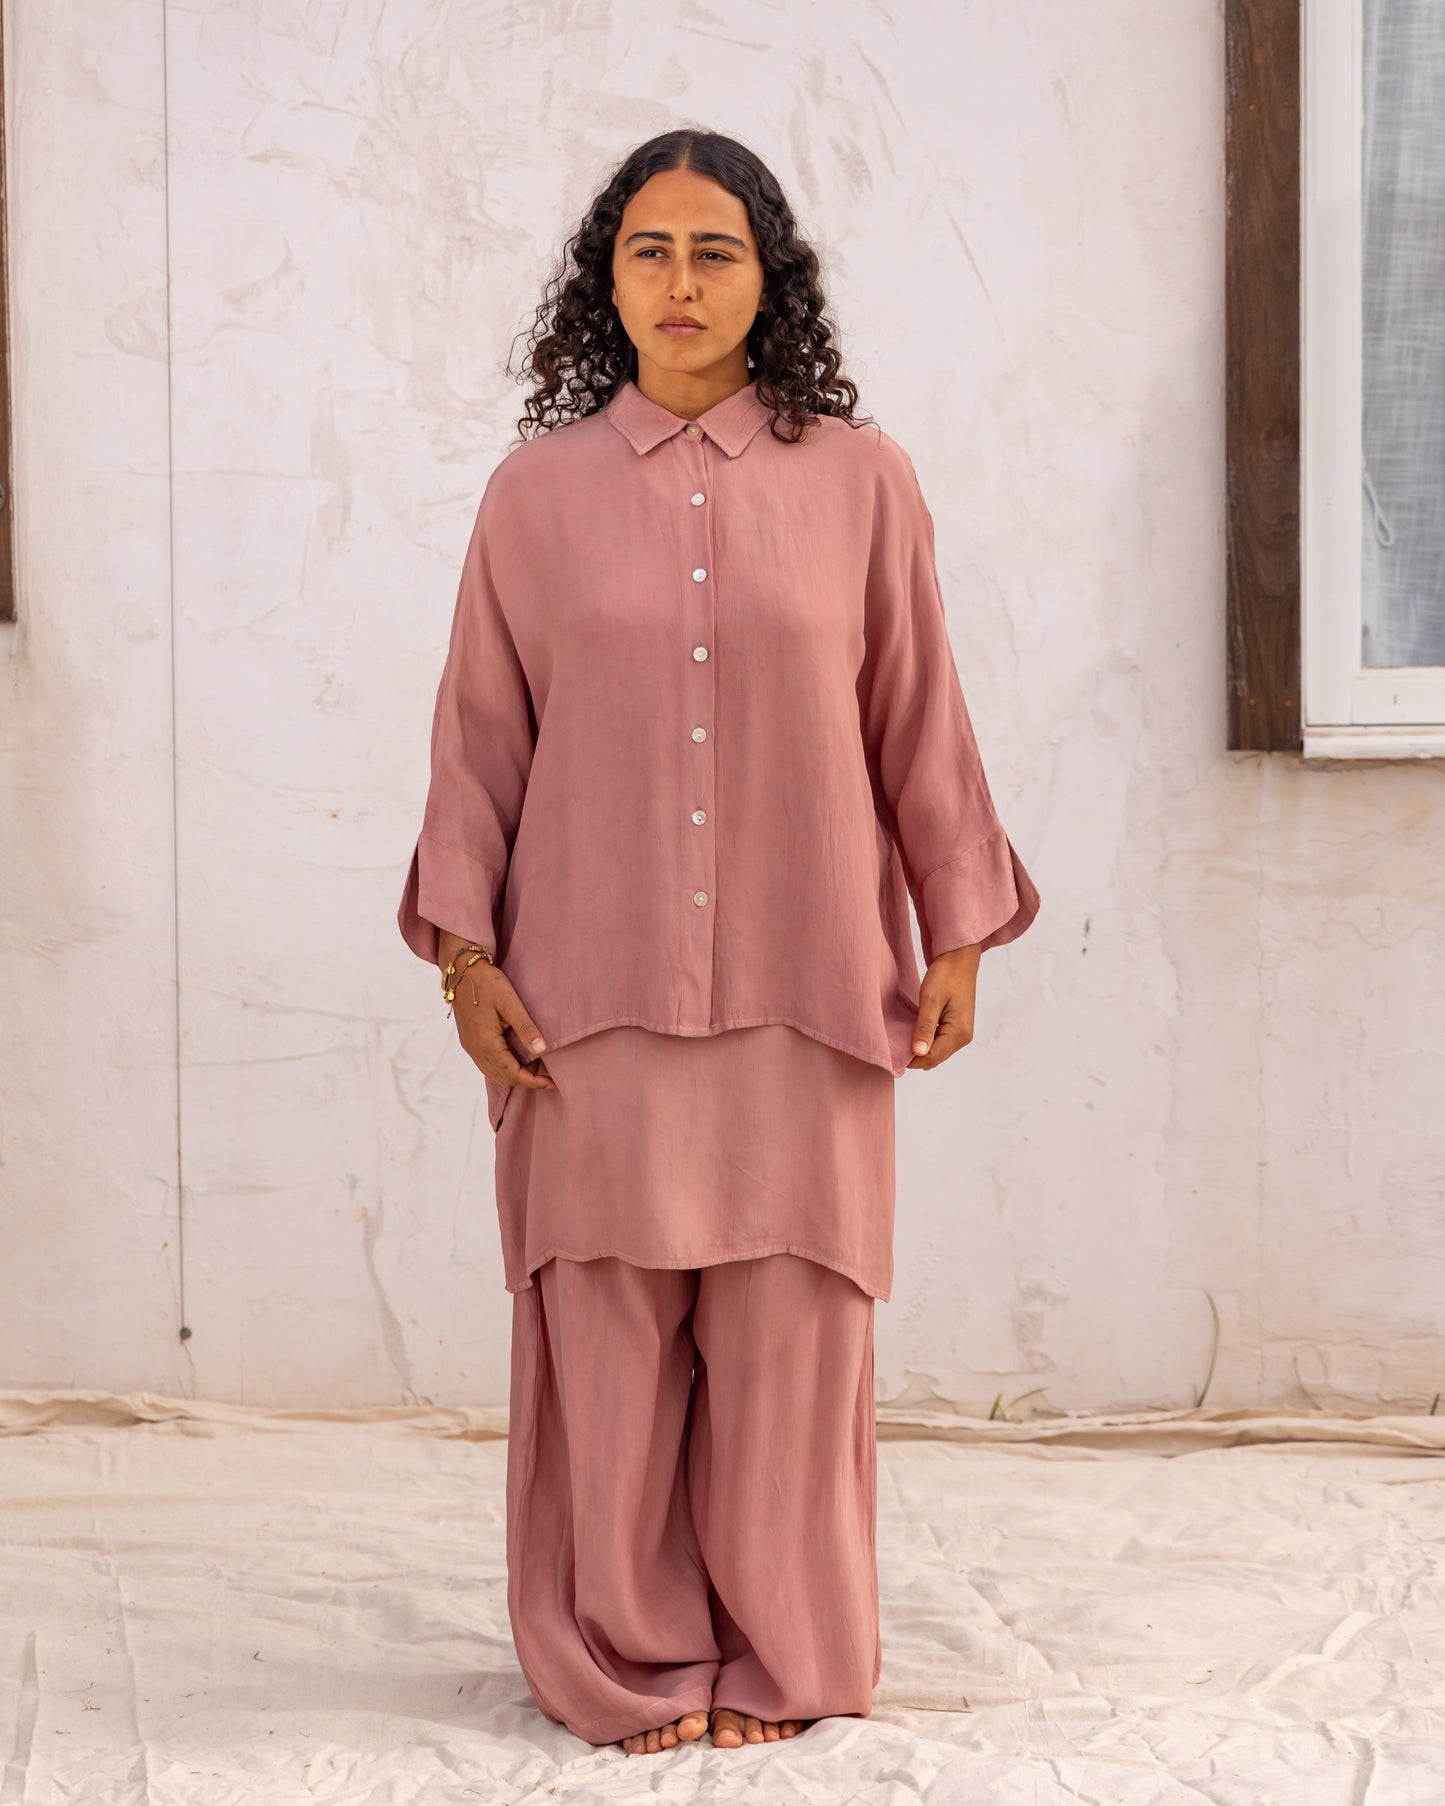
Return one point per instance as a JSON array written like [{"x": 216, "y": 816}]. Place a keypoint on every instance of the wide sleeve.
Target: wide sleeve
[
  {"x": 967, "y": 883},
  {"x": 482, "y": 739}
]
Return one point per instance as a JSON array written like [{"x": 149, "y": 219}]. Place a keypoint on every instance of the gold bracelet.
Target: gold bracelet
[{"x": 450, "y": 974}]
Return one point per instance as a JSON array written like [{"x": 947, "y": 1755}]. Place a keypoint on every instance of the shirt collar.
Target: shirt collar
[{"x": 729, "y": 423}]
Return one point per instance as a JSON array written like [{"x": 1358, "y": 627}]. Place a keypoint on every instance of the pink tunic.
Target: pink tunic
[
  {"x": 678, "y": 1152},
  {"x": 700, "y": 735}
]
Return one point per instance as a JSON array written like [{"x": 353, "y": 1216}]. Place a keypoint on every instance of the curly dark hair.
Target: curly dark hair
[{"x": 578, "y": 353}]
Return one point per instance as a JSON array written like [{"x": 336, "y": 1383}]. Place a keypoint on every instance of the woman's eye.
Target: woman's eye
[{"x": 648, "y": 250}]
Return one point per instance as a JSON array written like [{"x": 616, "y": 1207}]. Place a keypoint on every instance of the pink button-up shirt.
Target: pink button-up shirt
[{"x": 700, "y": 735}]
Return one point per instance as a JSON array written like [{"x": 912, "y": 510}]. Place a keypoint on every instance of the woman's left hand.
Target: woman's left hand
[{"x": 945, "y": 1008}]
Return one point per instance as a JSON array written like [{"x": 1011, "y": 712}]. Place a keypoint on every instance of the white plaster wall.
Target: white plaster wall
[{"x": 267, "y": 263}]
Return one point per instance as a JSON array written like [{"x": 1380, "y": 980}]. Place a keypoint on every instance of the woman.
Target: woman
[{"x": 698, "y": 738}]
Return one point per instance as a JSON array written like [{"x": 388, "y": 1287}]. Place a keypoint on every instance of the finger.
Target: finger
[
  {"x": 956, "y": 1023},
  {"x": 495, "y": 1059},
  {"x": 538, "y": 1069},
  {"x": 514, "y": 1013},
  {"x": 532, "y": 1079},
  {"x": 926, "y": 1026},
  {"x": 947, "y": 1041}
]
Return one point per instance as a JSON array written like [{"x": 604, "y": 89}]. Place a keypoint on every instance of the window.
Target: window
[
  {"x": 1374, "y": 378},
  {"x": 1337, "y": 376}
]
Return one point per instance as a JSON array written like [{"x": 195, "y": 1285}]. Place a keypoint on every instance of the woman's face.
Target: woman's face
[{"x": 684, "y": 247}]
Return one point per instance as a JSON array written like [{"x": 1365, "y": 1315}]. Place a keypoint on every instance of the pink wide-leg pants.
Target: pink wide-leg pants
[{"x": 692, "y": 1490}]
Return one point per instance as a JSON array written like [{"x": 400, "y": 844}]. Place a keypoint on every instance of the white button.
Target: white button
[
  {"x": 692, "y": 429},
  {"x": 699, "y": 897},
  {"x": 699, "y": 653},
  {"x": 699, "y": 815},
  {"x": 699, "y": 733},
  {"x": 699, "y": 575},
  {"x": 698, "y": 499}
]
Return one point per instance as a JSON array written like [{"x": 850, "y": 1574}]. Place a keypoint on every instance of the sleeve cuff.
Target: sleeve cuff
[
  {"x": 985, "y": 898},
  {"x": 446, "y": 889}
]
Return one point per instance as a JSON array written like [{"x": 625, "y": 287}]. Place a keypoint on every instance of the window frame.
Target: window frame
[
  {"x": 1351, "y": 710},
  {"x": 1294, "y": 243}
]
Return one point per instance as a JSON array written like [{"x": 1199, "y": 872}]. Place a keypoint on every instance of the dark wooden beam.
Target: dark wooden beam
[{"x": 1262, "y": 373}]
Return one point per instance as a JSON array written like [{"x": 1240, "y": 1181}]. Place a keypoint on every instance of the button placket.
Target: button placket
[{"x": 701, "y": 767}]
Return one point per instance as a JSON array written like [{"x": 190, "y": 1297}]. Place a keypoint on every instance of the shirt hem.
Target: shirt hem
[
  {"x": 717, "y": 1028},
  {"x": 880, "y": 1293}
]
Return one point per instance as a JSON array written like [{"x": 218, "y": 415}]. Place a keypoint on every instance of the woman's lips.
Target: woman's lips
[{"x": 679, "y": 331}]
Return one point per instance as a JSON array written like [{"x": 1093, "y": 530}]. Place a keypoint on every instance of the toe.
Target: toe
[
  {"x": 686, "y": 1729},
  {"x": 727, "y": 1731},
  {"x": 753, "y": 1728}
]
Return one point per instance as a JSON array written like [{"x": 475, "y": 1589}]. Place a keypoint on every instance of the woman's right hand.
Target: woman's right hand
[{"x": 484, "y": 1007}]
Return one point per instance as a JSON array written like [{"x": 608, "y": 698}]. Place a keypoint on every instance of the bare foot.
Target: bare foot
[
  {"x": 732, "y": 1729},
  {"x": 686, "y": 1729}
]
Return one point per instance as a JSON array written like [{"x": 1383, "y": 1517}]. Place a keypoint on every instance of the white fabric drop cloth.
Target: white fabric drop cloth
[{"x": 206, "y": 1603}]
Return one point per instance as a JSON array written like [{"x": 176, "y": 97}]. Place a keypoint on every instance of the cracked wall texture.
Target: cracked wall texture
[{"x": 267, "y": 262}]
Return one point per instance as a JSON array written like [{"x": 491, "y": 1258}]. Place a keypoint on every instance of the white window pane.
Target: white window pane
[{"x": 1403, "y": 571}]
